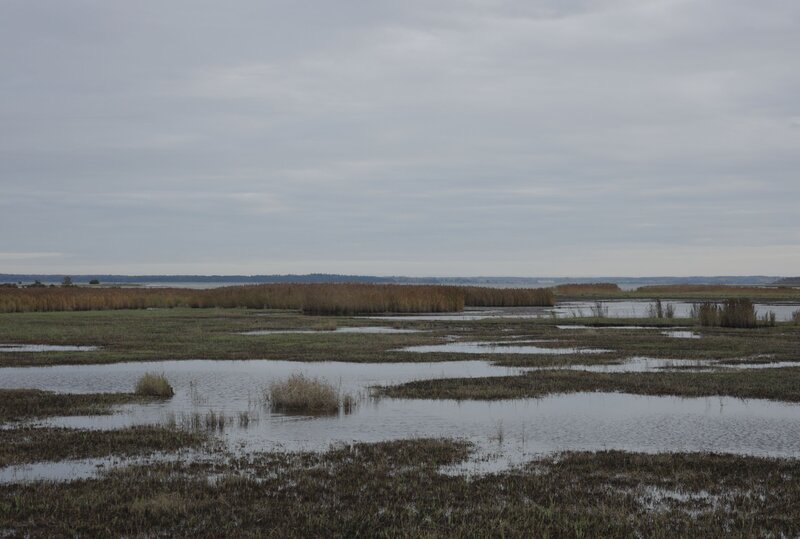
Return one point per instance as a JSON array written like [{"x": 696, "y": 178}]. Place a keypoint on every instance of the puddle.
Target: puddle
[
  {"x": 45, "y": 348},
  {"x": 361, "y": 329},
  {"x": 773, "y": 365},
  {"x": 506, "y": 433},
  {"x": 496, "y": 348},
  {"x": 579, "y": 326},
  {"x": 73, "y": 469},
  {"x": 681, "y": 334}
]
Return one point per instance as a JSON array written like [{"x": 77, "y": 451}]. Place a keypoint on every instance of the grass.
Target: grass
[
  {"x": 179, "y": 334},
  {"x": 302, "y": 394},
  {"x": 37, "y": 444},
  {"x": 154, "y": 385},
  {"x": 392, "y": 488},
  {"x": 395, "y": 489},
  {"x": 22, "y": 404},
  {"x": 775, "y": 384}
]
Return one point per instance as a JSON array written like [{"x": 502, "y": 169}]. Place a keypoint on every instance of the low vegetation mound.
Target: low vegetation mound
[
  {"x": 22, "y": 404},
  {"x": 154, "y": 385},
  {"x": 302, "y": 394}
]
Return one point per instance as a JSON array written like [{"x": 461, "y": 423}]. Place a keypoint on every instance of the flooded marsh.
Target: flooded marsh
[{"x": 490, "y": 397}]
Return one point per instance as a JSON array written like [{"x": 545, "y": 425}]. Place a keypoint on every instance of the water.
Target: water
[
  {"x": 574, "y": 309},
  {"x": 649, "y": 364},
  {"x": 681, "y": 334},
  {"x": 641, "y": 309},
  {"x": 580, "y": 326},
  {"x": 497, "y": 348},
  {"x": 45, "y": 348},
  {"x": 357, "y": 329},
  {"x": 506, "y": 433}
]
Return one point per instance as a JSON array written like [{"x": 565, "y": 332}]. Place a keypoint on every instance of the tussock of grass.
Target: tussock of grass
[
  {"x": 302, "y": 394},
  {"x": 154, "y": 385}
]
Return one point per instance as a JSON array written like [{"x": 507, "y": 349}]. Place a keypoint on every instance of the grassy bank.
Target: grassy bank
[
  {"x": 775, "y": 384},
  {"x": 27, "y": 445},
  {"x": 138, "y": 335},
  {"x": 20, "y": 404},
  {"x": 394, "y": 489}
]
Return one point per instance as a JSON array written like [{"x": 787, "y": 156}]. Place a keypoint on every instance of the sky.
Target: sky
[{"x": 446, "y": 138}]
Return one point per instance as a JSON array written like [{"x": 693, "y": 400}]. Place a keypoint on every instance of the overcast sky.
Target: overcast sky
[{"x": 531, "y": 138}]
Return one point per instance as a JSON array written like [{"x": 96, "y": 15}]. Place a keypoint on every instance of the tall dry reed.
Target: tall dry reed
[
  {"x": 476, "y": 296},
  {"x": 336, "y": 299}
]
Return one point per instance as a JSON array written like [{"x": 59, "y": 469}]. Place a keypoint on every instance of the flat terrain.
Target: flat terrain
[{"x": 394, "y": 487}]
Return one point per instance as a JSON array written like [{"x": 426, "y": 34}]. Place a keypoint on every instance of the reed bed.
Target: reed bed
[
  {"x": 350, "y": 299},
  {"x": 657, "y": 309},
  {"x": 476, "y": 296},
  {"x": 322, "y": 299},
  {"x": 734, "y": 313}
]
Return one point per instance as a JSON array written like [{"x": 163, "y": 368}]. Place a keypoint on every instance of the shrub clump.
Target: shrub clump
[
  {"x": 738, "y": 313},
  {"x": 154, "y": 385},
  {"x": 734, "y": 313},
  {"x": 302, "y": 394},
  {"x": 706, "y": 313}
]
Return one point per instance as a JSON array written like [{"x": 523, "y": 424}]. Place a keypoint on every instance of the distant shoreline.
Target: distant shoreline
[{"x": 222, "y": 280}]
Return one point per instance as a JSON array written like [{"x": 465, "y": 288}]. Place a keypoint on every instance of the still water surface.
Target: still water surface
[{"x": 505, "y": 433}]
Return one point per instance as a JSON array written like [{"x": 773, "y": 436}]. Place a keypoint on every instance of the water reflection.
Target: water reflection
[
  {"x": 530, "y": 427},
  {"x": 45, "y": 348},
  {"x": 497, "y": 348}
]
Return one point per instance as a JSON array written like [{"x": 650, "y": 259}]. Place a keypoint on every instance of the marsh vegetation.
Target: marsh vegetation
[
  {"x": 398, "y": 488},
  {"x": 301, "y": 394},
  {"x": 154, "y": 385},
  {"x": 232, "y": 415},
  {"x": 315, "y": 299}
]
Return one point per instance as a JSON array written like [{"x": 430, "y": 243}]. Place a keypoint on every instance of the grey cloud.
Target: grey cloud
[{"x": 454, "y": 138}]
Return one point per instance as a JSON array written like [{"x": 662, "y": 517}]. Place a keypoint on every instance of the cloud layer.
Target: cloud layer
[{"x": 579, "y": 137}]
